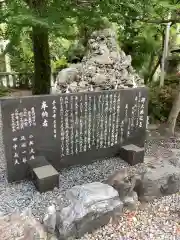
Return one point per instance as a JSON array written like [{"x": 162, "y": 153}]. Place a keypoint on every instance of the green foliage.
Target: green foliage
[
  {"x": 60, "y": 64},
  {"x": 161, "y": 99},
  {"x": 22, "y": 55},
  {"x": 4, "y": 91},
  {"x": 141, "y": 41},
  {"x": 75, "y": 52},
  {"x": 69, "y": 24}
]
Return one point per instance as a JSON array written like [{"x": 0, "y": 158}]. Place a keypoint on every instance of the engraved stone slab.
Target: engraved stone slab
[{"x": 71, "y": 129}]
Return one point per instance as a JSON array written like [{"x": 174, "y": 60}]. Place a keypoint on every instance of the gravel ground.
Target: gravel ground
[{"x": 158, "y": 220}]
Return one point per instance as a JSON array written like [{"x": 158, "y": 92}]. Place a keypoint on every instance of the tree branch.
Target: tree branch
[{"x": 160, "y": 21}]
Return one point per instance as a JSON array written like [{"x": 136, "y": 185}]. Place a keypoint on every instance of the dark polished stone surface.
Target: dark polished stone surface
[{"x": 71, "y": 128}]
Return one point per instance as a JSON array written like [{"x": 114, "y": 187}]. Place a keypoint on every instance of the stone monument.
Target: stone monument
[
  {"x": 102, "y": 113},
  {"x": 104, "y": 67}
]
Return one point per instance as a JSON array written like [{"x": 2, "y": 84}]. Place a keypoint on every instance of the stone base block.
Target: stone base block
[
  {"x": 45, "y": 178},
  {"x": 39, "y": 161},
  {"x": 132, "y": 154}
]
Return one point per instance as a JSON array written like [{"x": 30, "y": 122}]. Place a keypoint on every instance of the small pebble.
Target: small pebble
[{"x": 159, "y": 219}]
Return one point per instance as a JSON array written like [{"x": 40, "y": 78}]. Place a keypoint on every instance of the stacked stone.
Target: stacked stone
[{"x": 104, "y": 67}]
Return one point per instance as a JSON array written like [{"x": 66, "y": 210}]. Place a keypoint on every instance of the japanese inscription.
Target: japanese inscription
[
  {"x": 54, "y": 112},
  {"x": 44, "y": 114},
  {"x": 71, "y": 124}
]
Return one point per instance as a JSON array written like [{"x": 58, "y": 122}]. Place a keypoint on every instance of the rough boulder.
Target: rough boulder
[{"x": 104, "y": 67}]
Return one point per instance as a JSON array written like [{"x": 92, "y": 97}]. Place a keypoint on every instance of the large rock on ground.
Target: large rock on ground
[
  {"x": 91, "y": 206},
  {"x": 158, "y": 179},
  {"x": 22, "y": 227}
]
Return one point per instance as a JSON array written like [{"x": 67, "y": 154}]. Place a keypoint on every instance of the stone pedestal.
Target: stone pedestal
[
  {"x": 132, "y": 154},
  {"x": 45, "y": 178},
  {"x": 43, "y": 174},
  {"x": 39, "y": 161}
]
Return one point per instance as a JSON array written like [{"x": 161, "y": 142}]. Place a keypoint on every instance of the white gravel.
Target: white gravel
[
  {"x": 19, "y": 196},
  {"x": 158, "y": 220}
]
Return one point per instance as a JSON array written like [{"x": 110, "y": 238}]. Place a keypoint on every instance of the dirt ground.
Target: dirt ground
[{"x": 20, "y": 93}]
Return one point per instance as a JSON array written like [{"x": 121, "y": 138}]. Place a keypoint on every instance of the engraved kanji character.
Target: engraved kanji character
[
  {"x": 23, "y": 145},
  {"x": 22, "y": 138},
  {"x": 16, "y": 115},
  {"x": 143, "y": 99},
  {"x": 44, "y": 114},
  {"x": 24, "y": 160},
  {"x": 21, "y": 114},
  {"x": 30, "y": 123},
  {"x": 142, "y": 111},
  {"x": 54, "y": 116},
  {"x": 24, "y": 152},
  {"x": 15, "y": 146},
  {"x": 32, "y": 157},
  {"x": 29, "y": 113},
  {"x": 25, "y": 122},
  {"x": 25, "y": 112},
  {"x": 16, "y": 162},
  {"x": 15, "y": 139},
  {"x": 54, "y": 102},
  {"x": 31, "y": 143},
  {"x": 54, "y": 108},
  {"x": 44, "y": 105},
  {"x": 30, "y": 136},
  {"x": 16, "y": 155},
  {"x": 31, "y": 151},
  {"x": 45, "y": 123}
]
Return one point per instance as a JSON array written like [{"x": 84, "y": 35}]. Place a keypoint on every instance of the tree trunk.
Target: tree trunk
[
  {"x": 165, "y": 53},
  {"x": 174, "y": 113},
  {"x": 154, "y": 69},
  {"x": 146, "y": 78},
  {"x": 42, "y": 68},
  {"x": 42, "y": 63}
]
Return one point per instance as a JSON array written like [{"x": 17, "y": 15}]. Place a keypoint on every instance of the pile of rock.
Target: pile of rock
[
  {"x": 104, "y": 67},
  {"x": 22, "y": 227},
  {"x": 92, "y": 205}
]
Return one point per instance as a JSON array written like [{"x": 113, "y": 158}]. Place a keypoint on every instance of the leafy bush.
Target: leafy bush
[
  {"x": 161, "y": 99},
  {"x": 59, "y": 64},
  {"x": 4, "y": 91}
]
